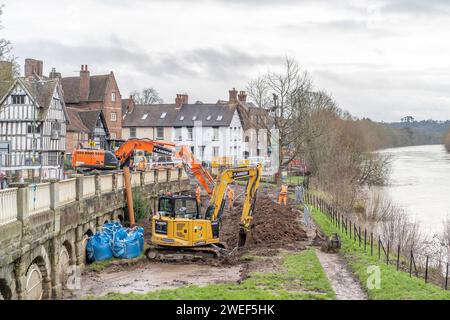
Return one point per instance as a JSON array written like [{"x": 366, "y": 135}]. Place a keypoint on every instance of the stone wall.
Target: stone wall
[{"x": 45, "y": 244}]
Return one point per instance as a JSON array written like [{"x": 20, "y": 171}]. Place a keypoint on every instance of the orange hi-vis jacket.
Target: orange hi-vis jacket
[
  {"x": 230, "y": 194},
  {"x": 198, "y": 193},
  {"x": 284, "y": 189}
]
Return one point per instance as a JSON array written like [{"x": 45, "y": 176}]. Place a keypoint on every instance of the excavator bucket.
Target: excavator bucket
[{"x": 242, "y": 238}]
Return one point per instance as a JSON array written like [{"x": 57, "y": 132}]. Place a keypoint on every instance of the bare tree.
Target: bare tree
[
  {"x": 146, "y": 96},
  {"x": 6, "y": 53}
]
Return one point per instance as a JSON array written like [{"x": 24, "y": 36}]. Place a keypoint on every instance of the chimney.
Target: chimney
[
  {"x": 54, "y": 74},
  {"x": 84, "y": 83},
  {"x": 182, "y": 98},
  {"x": 233, "y": 96},
  {"x": 33, "y": 67},
  {"x": 242, "y": 96},
  {"x": 130, "y": 106}
]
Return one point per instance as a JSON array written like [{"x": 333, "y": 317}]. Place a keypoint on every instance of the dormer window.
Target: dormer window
[
  {"x": 163, "y": 115},
  {"x": 219, "y": 118},
  {"x": 144, "y": 116}
]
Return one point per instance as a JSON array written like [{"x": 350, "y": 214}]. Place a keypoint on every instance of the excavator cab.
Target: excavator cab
[{"x": 178, "y": 207}]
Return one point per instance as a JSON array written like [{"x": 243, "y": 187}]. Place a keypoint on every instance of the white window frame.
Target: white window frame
[{"x": 113, "y": 116}]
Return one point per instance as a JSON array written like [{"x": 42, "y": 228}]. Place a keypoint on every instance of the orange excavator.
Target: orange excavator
[
  {"x": 89, "y": 159},
  {"x": 108, "y": 160}
]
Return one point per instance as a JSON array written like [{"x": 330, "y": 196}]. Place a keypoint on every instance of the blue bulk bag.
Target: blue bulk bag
[
  {"x": 98, "y": 248},
  {"x": 110, "y": 228},
  {"x": 126, "y": 246}
]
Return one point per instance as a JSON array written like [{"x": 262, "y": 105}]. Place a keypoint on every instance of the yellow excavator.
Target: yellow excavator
[{"x": 179, "y": 229}]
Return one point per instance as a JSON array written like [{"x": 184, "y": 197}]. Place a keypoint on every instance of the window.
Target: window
[
  {"x": 163, "y": 115},
  {"x": 56, "y": 126},
  {"x": 202, "y": 152},
  {"x": 247, "y": 139},
  {"x": 215, "y": 151},
  {"x": 208, "y": 118},
  {"x": 113, "y": 135},
  {"x": 160, "y": 133},
  {"x": 113, "y": 98},
  {"x": 181, "y": 118},
  {"x": 113, "y": 116},
  {"x": 178, "y": 134},
  {"x": 132, "y": 132},
  {"x": 219, "y": 118},
  {"x": 144, "y": 116},
  {"x": 18, "y": 99},
  {"x": 215, "y": 133},
  {"x": 194, "y": 118},
  {"x": 30, "y": 130},
  {"x": 190, "y": 133}
]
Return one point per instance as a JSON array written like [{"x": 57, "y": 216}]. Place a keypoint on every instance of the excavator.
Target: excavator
[
  {"x": 179, "y": 229},
  {"x": 89, "y": 159}
]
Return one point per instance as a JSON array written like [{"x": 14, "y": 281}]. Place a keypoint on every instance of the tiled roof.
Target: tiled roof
[
  {"x": 42, "y": 91},
  {"x": 97, "y": 88},
  {"x": 76, "y": 124},
  {"x": 149, "y": 115},
  {"x": 211, "y": 115}
]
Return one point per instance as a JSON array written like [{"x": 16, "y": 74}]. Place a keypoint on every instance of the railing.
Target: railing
[
  {"x": 88, "y": 186},
  {"x": 38, "y": 198},
  {"x": 8, "y": 205},
  {"x": 106, "y": 183},
  {"x": 431, "y": 269},
  {"x": 120, "y": 184},
  {"x": 47, "y": 196},
  {"x": 67, "y": 191},
  {"x": 149, "y": 177},
  {"x": 162, "y": 176},
  {"x": 135, "y": 179},
  {"x": 174, "y": 175}
]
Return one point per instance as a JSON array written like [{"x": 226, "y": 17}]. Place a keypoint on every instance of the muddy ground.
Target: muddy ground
[{"x": 275, "y": 227}]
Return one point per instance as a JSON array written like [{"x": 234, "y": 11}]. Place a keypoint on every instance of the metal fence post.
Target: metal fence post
[
  {"x": 359, "y": 235},
  {"x": 446, "y": 278},
  {"x": 350, "y": 228},
  {"x": 365, "y": 239},
  {"x": 398, "y": 257},
  {"x": 379, "y": 248},
  {"x": 410, "y": 263},
  {"x": 371, "y": 243},
  {"x": 387, "y": 254},
  {"x": 426, "y": 270}
]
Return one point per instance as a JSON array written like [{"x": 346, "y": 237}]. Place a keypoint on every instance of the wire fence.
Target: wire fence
[{"x": 427, "y": 267}]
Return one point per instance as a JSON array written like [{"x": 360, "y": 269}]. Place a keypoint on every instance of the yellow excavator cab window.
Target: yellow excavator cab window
[{"x": 186, "y": 208}]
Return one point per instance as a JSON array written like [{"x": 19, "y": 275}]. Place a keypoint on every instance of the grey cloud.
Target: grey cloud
[{"x": 207, "y": 63}]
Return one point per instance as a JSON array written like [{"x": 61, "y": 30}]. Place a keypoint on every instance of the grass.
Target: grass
[
  {"x": 301, "y": 277},
  {"x": 99, "y": 266},
  {"x": 395, "y": 285}
]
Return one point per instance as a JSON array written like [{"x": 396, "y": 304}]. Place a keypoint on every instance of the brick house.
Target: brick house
[{"x": 97, "y": 92}]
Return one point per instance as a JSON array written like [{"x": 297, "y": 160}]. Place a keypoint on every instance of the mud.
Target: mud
[
  {"x": 273, "y": 226},
  {"x": 151, "y": 276}
]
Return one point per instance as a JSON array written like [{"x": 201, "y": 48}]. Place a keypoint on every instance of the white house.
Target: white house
[
  {"x": 211, "y": 130},
  {"x": 33, "y": 127}
]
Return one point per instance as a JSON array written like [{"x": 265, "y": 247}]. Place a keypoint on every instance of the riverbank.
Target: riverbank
[{"x": 393, "y": 285}]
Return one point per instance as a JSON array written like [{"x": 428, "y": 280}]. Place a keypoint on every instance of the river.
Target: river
[{"x": 420, "y": 184}]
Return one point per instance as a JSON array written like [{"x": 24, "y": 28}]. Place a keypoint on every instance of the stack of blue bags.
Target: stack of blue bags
[{"x": 115, "y": 241}]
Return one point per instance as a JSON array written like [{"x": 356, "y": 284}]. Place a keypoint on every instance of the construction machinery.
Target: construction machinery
[
  {"x": 179, "y": 229},
  {"x": 88, "y": 159}
]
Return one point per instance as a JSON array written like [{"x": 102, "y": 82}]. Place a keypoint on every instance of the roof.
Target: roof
[
  {"x": 126, "y": 103},
  {"x": 76, "y": 124},
  {"x": 253, "y": 117},
  {"x": 83, "y": 120},
  {"x": 149, "y": 115},
  {"x": 97, "y": 88},
  {"x": 211, "y": 115}
]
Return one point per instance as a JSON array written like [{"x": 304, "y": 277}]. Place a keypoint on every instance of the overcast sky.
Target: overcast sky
[{"x": 382, "y": 59}]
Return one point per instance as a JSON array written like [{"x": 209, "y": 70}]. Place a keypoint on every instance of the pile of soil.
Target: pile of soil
[{"x": 273, "y": 226}]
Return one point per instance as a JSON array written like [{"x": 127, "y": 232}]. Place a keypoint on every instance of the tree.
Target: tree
[
  {"x": 146, "y": 96},
  {"x": 6, "y": 53},
  {"x": 291, "y": 102}
]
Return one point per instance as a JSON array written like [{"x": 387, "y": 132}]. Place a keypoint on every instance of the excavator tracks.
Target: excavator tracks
[{"x": 160, "y": 253}]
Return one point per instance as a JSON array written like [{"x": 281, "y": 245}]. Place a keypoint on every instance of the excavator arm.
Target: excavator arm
[
  {"x": 194, "y": 168},
  {"x": 217, "y": 201},
  {"x": 125, "y": 151}
]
